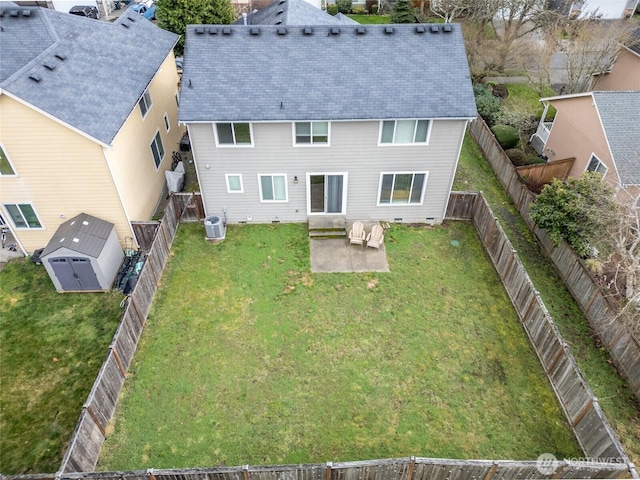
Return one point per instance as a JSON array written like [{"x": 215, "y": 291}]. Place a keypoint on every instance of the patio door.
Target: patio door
[{"x": 327, "y": 193}]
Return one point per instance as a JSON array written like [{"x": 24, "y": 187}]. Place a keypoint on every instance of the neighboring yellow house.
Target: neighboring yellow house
[
  {"x": 600, "y": 130},
  {"x": 88, "y": 120}
]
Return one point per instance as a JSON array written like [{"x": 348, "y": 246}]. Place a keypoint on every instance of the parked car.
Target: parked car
[
  {"x": 146, "y": 9},
  {"x": 85, "y": 11}
]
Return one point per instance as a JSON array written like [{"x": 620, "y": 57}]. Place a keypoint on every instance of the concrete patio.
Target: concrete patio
[{"x": 337, "y": 256}]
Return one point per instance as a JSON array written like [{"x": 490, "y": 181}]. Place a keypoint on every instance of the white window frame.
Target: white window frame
[
  {"x": 233, "y": 133},
  {"x": 286, "y": 187},
  {"x": 17, "y": 204},
  {"x": 6, "y": 156},
  {"x": 164, "y": 151},
  {"x": 239, "y": 175},
  {"x": 600, "y": 162},
  {"x": 167, "y": 124},
  {"x": 147, "y": 102},
  {"x": 177, "y": 97},
  {"x": 415, "y": 128},
  {"x": 408, "y": 204},
  {"x": 311, "y": 144}
]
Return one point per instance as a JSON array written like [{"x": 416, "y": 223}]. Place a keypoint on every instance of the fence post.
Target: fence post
[
  {"x": 328, "y": 470},
  {"x": 150, "y": 474},
  {"x": 89, "y": 410},
  {"x": 116, "y": 357},
  {"x": 492, "y": 471},
  {"x": 582, "y": 413},
  {"x": 245, "y": 472},
  {"x": 412, "y": 467}
]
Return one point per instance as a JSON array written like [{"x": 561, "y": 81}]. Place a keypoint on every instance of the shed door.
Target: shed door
[{"x": 75, "y": 273}]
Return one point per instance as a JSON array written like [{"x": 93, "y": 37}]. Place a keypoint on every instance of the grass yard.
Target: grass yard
[
  {"x": 365, "y": 19},
  {"x": 527, "y": 96},
  {"x": 51, "y": 349},
  {"x": 250, "y": 359},
  {"x": 616, "y": 399}
]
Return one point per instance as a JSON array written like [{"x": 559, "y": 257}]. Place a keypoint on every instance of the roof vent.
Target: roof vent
[
  {"x": 388, "y": 30},
  {"x": 307, "y": 31},
  {"x": 434, "y": 28},
  {"x": 13, "y": 13},
  {"x": 282, "y": 31},
  {"x": 226, "y": 31},
  {"x": 199, "y": 30},
  {"x": 280, "y": 12},
  {"x": 60, "y": 56},
  {"x": 420, "y": 29},
  {"x": 35, "y": 77},
  {"x": 124, "y": 25},
  {"x": 49, "y": 66},
  {"x": 213, "y": 31},
  {"x": 282, "y": 2},
  {"x": 255, "y": 31},
  {"x": 279, "y": 22},
  {"x": 446, "y": 28},
  {"x": 360, "y": 30},
  {"x": 334, "y": 31},
  {"x": 131, "y": 18},
  {"x": 26, "y": 13}
]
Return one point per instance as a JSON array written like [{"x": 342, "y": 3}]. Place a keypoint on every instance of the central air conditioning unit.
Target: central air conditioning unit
[{"x": 215, "y": 228}]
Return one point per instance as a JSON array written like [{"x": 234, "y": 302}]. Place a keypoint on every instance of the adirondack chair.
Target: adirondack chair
[
  {"x": 357, "y": 234},
  {"x": 375, "y": 238}
]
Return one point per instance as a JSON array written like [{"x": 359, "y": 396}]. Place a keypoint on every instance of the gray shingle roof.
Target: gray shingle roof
[
  {"x": 290, "y": 12},
  {"x": 105, "y": 69},
  {"x": 634, "y": 41},
  {"x": 620, "y": 115},
  {"x": 262, "y": 73},
  {"x": 83, "y": 234}
]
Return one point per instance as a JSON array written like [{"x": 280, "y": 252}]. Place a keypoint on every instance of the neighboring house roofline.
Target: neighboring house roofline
[
  {"x": 55, "y": 119},
  {"x": 571, "y": 95}
]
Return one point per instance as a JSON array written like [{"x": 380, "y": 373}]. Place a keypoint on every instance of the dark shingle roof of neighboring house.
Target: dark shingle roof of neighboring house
[
  {"x": 634, "y": 41},
  {"x": 87, "y": 73},
  {"x": 619, "y": 112},
  {"x": 289, "y": 12},
  {"x": 83, "y": 234},
  {"x": 249, "y": 73}
]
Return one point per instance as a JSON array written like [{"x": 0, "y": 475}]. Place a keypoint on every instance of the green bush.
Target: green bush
[
  {"x": 344, "y": 6},
  {"x": 357, "y": 10},
  {"x": 517, "y": 156},
  {"x": 369, "y": 5},
  {"x": 374, "y": 9},
  {"x": 506, "y": 135},
  {"x": 488, "y": 106},
  {"x": 534, "y": 160},
  {"x": 332, "y": 9}
]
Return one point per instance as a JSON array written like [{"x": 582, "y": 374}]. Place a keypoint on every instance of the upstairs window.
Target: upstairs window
[
  {"x": 23, "y": 215},
  {"x": 404, "y": 131},
  {"x": 596, "y": 165},
  {"x": 312, "y": 133},
  {"x": 157, "y": 149},
  {"x": 145, "y": 103},
  {"x": 6, "y": 169},
  {"x": 238, "y": 134}
]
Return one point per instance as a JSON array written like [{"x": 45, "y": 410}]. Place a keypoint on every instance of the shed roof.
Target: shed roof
[
  {"x": 89, "y": 74},
  {"x": 325, "y": 72},
  {"x": 84, "y": 234}
]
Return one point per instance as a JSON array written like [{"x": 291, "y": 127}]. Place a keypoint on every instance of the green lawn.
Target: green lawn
[
  {"x": 51, "y": 348},
  {"x": 525, "y": 93},
  {"x": 365, "y": 19},
  {"x": 250, "y": 359},
  {"x": 616, "y": 399}
]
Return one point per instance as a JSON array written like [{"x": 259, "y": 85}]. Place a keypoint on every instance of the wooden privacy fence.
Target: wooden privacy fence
[
  {"x": 593, "y": 432},
  {"x": 90, "y": 432},
  {"x": 623, "y": 347},
  {"x": 411, "y": 468}
]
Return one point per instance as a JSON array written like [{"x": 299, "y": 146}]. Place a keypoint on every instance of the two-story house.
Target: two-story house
[
  {"x": 88, "y": 119},
  {"x": 360, "y": 122},
  {"x": 599, "y": 129},
  {"x": 625, "y": 71}
]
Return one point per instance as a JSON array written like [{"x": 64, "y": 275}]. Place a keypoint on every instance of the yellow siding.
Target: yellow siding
[
  {"x": 60, "y": 172},
  {"x": 139, "y": 182}
]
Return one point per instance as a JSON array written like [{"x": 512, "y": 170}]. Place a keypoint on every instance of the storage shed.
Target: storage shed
[{"x": 84, "y": 255}]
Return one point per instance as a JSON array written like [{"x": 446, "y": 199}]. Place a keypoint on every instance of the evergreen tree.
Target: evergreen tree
[
  {"x": 175, "y": 15},
  {"x": 402, "y": 12}
]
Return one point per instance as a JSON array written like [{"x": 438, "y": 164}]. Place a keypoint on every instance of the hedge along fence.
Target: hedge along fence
[
  {"x": 90, "y": 432},
  {"x": 623, "y": 347},
  {"x": 593, "y": 432}
]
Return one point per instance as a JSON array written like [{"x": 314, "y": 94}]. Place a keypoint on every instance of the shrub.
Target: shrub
[
  {"x": 506, "y": 135},
  {"x": 358, "y": 10},
  {"x": 370, "y": 4},
  {"x": 374, "y": 9},
  {"x": 332, "y": 9},
  {"x": 534, "y": 160},
  {"x": 488, "y": 106},
  {"x": 500, "y": 91},
  {"x": 344, "y": 6},
  {"x": 517, "y": 156}
]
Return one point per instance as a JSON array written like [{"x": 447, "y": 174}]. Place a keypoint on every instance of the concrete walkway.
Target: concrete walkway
[{"x": 333, "y": 256}]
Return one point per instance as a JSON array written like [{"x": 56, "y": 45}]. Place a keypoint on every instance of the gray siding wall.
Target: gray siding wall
[{"x": 354, "y": 150}]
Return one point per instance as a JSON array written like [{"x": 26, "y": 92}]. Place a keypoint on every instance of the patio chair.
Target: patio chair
[
  {"x": 357, "y": 234},
  {"x": 375, "y": 238}
]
